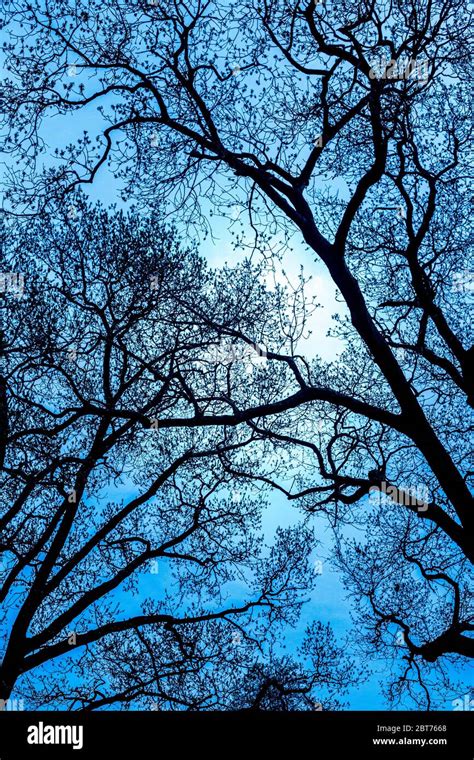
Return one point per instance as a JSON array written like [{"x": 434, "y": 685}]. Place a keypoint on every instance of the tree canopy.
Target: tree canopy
[{"x": 340, "y": 130}]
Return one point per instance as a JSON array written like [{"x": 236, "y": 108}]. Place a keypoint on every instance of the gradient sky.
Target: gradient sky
[{"x": 328, "y": 602}]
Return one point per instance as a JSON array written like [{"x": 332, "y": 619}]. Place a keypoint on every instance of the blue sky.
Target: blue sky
[{"x": 328, "y": 602}]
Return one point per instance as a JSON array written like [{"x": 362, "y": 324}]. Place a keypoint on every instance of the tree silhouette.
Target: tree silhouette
[
  {"x": 111, "y": 467},
  {"x": 344, "y": 126}
]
